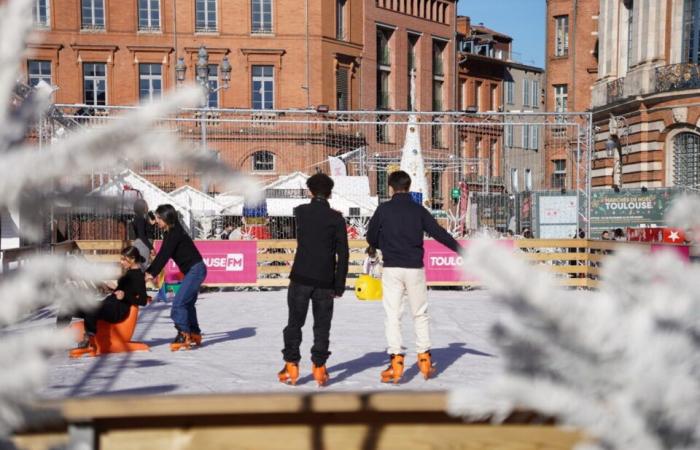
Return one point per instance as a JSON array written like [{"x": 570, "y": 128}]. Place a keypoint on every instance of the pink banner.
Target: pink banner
[
  {"x": 682, "y": 251},
  {"x": 228, "y": 262},
  {"x": 442, "y": 264}
]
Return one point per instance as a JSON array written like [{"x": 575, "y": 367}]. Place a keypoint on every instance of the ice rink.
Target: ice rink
[{"x": 243, "y": 342}]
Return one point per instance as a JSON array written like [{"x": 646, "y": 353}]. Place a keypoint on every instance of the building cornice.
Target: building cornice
[{"x": 150, "y": 49}]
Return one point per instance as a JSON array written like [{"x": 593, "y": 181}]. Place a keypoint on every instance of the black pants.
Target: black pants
[
  {"x": 110, "y": 310},
  {"x": 298, "y": 297}
]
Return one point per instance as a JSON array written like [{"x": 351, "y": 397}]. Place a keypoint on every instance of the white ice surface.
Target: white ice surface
[{"x": 243, "y": 342}]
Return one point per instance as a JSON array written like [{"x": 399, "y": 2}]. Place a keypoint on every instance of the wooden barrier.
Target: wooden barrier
[
  {"x": 415, "y": 420},
  {"x": 574, "y": 262}
]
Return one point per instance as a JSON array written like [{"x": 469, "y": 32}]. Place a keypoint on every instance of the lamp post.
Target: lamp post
[
  {"x": 202, "y": 77},
  {"x": 619, "y": 129}
]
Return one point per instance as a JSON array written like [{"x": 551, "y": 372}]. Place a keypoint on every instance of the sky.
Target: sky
[{"x": 523, "y": 20}]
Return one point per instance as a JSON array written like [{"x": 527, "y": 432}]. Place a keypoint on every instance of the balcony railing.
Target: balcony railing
[
  {"x": 616, "y": 90},
  {"x": 677, "y": 77}
]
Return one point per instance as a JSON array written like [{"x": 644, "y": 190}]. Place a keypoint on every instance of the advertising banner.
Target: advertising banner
[
  {"x": 610, "y": 210},
  {"x": 442, "y": 264},
  {"x": 228, "y": 262},
  {"x": 557, "y": 216}
]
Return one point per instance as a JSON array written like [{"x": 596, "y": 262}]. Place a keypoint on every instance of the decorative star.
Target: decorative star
[{"x": 673, "y": 236}]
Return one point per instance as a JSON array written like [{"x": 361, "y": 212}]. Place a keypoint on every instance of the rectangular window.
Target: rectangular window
[
  {"x": 438, "y": 60},
  {"x": 494, "y": 97},
  {"x": 263, "y": 161},
  {"x": 382, "y": 129},
  {"x": 38, "y": 71},
  {"x": 510, "y": 92},
  {"x": 526, "y": 92},
  {"x": 263, "y": 87},
  {"x": 514, "y": 180},
  {"x": 95, "y": 84},
  {"x": 93, "y": 14},
  {"x": 561, "y": 98},
  {"x": 534, "y": 137},
  {"x": 509, "y": 138},
  {"x": 40, "y": 13},
  {"x": 342, "y": 89},
  {"x": 150, "y": 82},
  {"x": 412, "y": 71},
  {"x": 205, "y": 16},
  {"x": 340, "y": 33},
  {"x": 559, "y": 174},
  {"x": 437, "y": 94},
  {"x": 477, "y": 96},
  {"x": 213, "y": 79},
  {"x": 149, "y": 15},
  {"x": 383, "y": 68},
  {"x": 261, "y": 20},
  {"x": 691, "y": 32},
  {"x": 561, "y": 25},
  {"x": 528, "y": 180},
  {"x": 436, "y": 136},
  {"x": 630, "y": 32},
  {"x": 535, "y": 94},
  {"x": 436, "y": 187},
  {"x": 525, "y": 143}
]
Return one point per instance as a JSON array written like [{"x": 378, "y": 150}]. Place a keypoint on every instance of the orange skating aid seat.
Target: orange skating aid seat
[{"x": 112, "y": 337}]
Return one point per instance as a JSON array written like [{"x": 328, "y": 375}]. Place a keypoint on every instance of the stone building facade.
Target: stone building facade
[{"x": 645, "y": 98}]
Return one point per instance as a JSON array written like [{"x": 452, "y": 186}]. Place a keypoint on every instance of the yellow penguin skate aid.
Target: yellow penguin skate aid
[{"x": 368, "y": 288}]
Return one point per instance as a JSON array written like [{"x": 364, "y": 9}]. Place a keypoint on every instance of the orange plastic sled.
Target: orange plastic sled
[{"x": 112, "y": 337}]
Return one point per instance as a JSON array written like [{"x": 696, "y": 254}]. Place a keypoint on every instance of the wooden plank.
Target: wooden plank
[
  {"x": 346, "y": 436},
  {"x": 288, "y": 268},
  {"x": 553, "y": 256},
  {"x": 288, "y": 257},
  {"x": 102, "y": 258},
  {"x": 101, "y": 245}
]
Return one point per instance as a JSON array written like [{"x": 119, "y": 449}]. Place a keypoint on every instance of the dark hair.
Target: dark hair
[
  {"x": 320, "y": 185},
  {"x": 140, "y": 206},
  {"x": 168, "y": 214},
  {"x": 133, "y": 253},
  {"x": 371, "y": 251},
  {"x": 618, "y": 232},
  {"x": 400, "y": 181}
]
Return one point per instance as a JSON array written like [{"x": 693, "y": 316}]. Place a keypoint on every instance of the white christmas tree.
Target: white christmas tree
[
  {"x": 28, "y": 176},
  {"x": 621, "y": 363}
]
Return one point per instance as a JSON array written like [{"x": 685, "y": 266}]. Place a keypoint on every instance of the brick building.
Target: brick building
[
  {"x": 571, "y": 66},
  {"x": 283, "y": 54},
  {"x": 482, "y": 67},
  {"x": 645, "y": 97}
]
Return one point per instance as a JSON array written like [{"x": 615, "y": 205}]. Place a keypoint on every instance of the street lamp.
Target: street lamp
[
  {"x": 618, "y": 128},
  {"x": 202, "y": 77}
]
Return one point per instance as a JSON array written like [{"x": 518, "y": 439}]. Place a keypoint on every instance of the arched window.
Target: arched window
[
  {"x": 686, "y": 160},
  {"x": 263, "y": 161}
]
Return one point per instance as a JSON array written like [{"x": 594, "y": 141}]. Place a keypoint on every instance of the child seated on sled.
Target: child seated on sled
[
  {"x": 130, "y": 290},
  {"x": 372, "y": 265}
]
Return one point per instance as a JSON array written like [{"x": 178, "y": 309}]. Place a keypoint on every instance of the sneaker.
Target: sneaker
[
  {"x": 181, "y": 342},
  {"x": 395, "y": 370},
  {"x": 289, "y": 373},
  {"x": 196, "y": 339},
  {"x": 320, "y": 374},
  {"x": 426, "y": 366}
]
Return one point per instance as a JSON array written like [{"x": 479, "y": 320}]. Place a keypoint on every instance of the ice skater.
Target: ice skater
[
  {"x": 130, "y": 290},
  {"x": 372, "y": 265},
  {"x": 318, "y": 276},
  {"x": 397, "y": 228},
  {"x": 179, "y": 246}
]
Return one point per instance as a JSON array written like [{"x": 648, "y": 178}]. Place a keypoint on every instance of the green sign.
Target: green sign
[
  {"x": 455, "y": 193},
  {"x": 610, "y": 210}
]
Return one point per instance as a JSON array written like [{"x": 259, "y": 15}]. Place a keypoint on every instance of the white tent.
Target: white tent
[
  {"x": 128, "y": 183},
  {"x": 349, "y": 192},
  {"x": 197, "y": 201}
]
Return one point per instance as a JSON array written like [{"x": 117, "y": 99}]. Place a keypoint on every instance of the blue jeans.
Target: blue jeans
[{"x": 183, "y": 311}]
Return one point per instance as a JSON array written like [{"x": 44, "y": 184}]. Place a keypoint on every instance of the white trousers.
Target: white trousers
[{"x": 400, "y": 285}]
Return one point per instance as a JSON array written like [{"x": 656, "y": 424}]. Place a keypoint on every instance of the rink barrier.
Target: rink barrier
[
  {"x": 574, "y": 262},
  {"x": 295, "y": 421}
]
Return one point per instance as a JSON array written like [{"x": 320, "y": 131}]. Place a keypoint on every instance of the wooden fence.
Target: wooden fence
[
  {"x": 574, "y": 262},
  {"x": 348, "y": 421}
]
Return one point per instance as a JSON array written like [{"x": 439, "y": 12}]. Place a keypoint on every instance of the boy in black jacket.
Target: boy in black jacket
[
  {"x": 397, "y": 228},
  {"x": 318, "y": 275}
]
